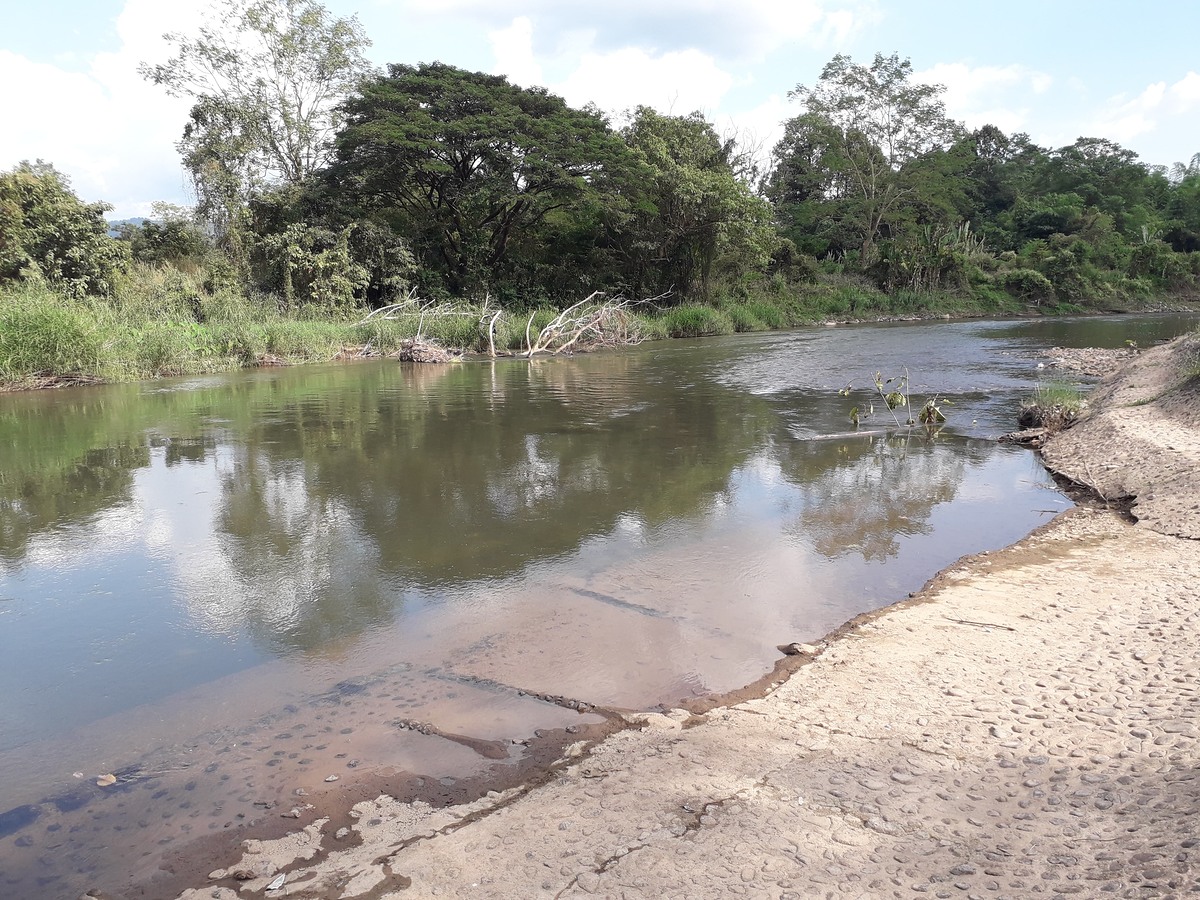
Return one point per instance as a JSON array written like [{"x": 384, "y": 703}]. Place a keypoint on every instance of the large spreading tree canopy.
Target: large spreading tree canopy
[{"x": 466, "y": 164}]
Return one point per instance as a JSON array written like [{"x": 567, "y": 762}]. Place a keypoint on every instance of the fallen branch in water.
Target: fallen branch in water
[{"x": 588, "y": 325}]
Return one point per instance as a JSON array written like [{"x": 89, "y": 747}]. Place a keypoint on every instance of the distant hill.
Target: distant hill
[{"x": 114, "y": 227}]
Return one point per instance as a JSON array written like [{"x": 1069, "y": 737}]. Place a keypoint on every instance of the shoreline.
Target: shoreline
[
  {"x": 47, "y": 381},
  {"x": 1008, "y": 748},
  {"x": 730, "y": 780}
]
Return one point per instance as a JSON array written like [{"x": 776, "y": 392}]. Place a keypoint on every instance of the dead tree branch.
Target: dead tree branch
[{"x": 590, "y": 324}]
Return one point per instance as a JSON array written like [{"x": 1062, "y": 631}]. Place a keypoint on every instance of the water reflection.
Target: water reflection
[
  {"x": 876, "y": 490},
  {"x": 626, "y": 528},
  {"x": 289, "y": 565},
  {"x": 198, "y": 527}
]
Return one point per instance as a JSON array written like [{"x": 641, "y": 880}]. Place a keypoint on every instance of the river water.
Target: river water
[{"x": 223, "y": 591}]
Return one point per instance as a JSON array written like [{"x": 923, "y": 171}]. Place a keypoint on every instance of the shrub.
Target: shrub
[
  {"x": 48, "y": 233},
  {"x": 695, "y": 321},
  {"x": 1026, "y": 284}
]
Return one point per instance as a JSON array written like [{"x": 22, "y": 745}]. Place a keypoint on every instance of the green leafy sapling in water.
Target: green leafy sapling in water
[{"x": 895, "y": 394}]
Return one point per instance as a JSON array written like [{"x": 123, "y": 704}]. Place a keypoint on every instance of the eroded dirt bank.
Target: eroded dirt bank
[{"x": 1026, "y": 726}]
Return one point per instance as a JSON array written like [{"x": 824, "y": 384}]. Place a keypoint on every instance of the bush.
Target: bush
[
  {"x": 1026, "y": 284},
  {"x": 47, "y": 233},
  {"x": 695, "y": 321},
  {"x": 173, "y": 240},
  {"x": 1157, "y": 262}
]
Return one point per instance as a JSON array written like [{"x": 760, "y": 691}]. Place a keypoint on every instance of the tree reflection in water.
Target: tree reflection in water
[{"x": 875, "y": 490}]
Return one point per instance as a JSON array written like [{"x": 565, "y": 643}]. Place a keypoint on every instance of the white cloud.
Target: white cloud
[
  {"x": 615, "y": 80},
  {"x": 106, "y": 128},
  {"x": 1186, "y": 92},
  {"x": 987, "y": 95},
  {"x": 513, "y": 49},
  {"x": 751, "y": 28},
  {"x": 677, "y": 82},
  {"x": 1157, "y": 105}
]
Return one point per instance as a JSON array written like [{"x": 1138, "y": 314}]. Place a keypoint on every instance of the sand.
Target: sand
[{"x": 1025, "y": 726}]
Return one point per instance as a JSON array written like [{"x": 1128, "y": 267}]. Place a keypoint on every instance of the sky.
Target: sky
[{"x": 1055, "y": 69}]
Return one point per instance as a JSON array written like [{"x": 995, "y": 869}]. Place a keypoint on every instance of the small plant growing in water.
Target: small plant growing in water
[
  {"x": 894, "y": 392},
  {"x": 1054, "y": 406}
]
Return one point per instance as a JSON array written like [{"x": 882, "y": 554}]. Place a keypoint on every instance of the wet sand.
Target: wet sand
[{"x": 1027, "y": 725}]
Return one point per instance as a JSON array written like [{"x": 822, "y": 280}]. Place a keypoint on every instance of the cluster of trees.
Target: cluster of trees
[
  {"x": 48, "y": 234},
  {"x": 329, "y": 184},
  {"x": 874, "y": 173}
]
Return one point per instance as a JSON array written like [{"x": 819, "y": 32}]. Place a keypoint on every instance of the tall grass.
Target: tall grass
[
  {"x": 1062, "y": 394},
  {"x": 40, "y": 333},
  {"x": 1055, "y": 405},
  {"x": 163, "y": 321},
  {"x": 694, "y": 320}
]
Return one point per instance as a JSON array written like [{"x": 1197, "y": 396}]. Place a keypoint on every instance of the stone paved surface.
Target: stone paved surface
[{"x": 1031, "y": 731}]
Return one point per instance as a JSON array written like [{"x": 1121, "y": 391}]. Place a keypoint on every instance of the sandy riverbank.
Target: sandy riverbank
[{"x": 1025, "y": 726}]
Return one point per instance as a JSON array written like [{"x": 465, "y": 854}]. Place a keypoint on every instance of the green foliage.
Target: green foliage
[
  {"x": 316, "y": 272},
  {"x": 1039, "y": 217},
  {"x": 469, "y": 167},
  {"x": 267, "y": 78},
  {"x": 692, "y": 217},
  {"x": 1026, "y": 284},
  {"x": 694, "y": 320},
  {"x": 1165, "y": 269},
  {"x": 929, "y": 258},
  {"x": 47, "y": 233},
  {"x": 867, "y": 138},
  {"x": 174, "y": 239}
]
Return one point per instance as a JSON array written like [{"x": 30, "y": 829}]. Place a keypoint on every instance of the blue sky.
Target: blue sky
[{"x": 1057, "y": 69}]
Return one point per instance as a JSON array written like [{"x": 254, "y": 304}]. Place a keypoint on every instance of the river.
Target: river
[{"x": 218, "y": 593}]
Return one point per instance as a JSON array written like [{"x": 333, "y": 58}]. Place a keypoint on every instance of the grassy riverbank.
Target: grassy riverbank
[{"x": 163, "y": 321}]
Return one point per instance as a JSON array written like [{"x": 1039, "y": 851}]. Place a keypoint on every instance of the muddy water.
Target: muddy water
[{"x": 234, "y": 597}]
